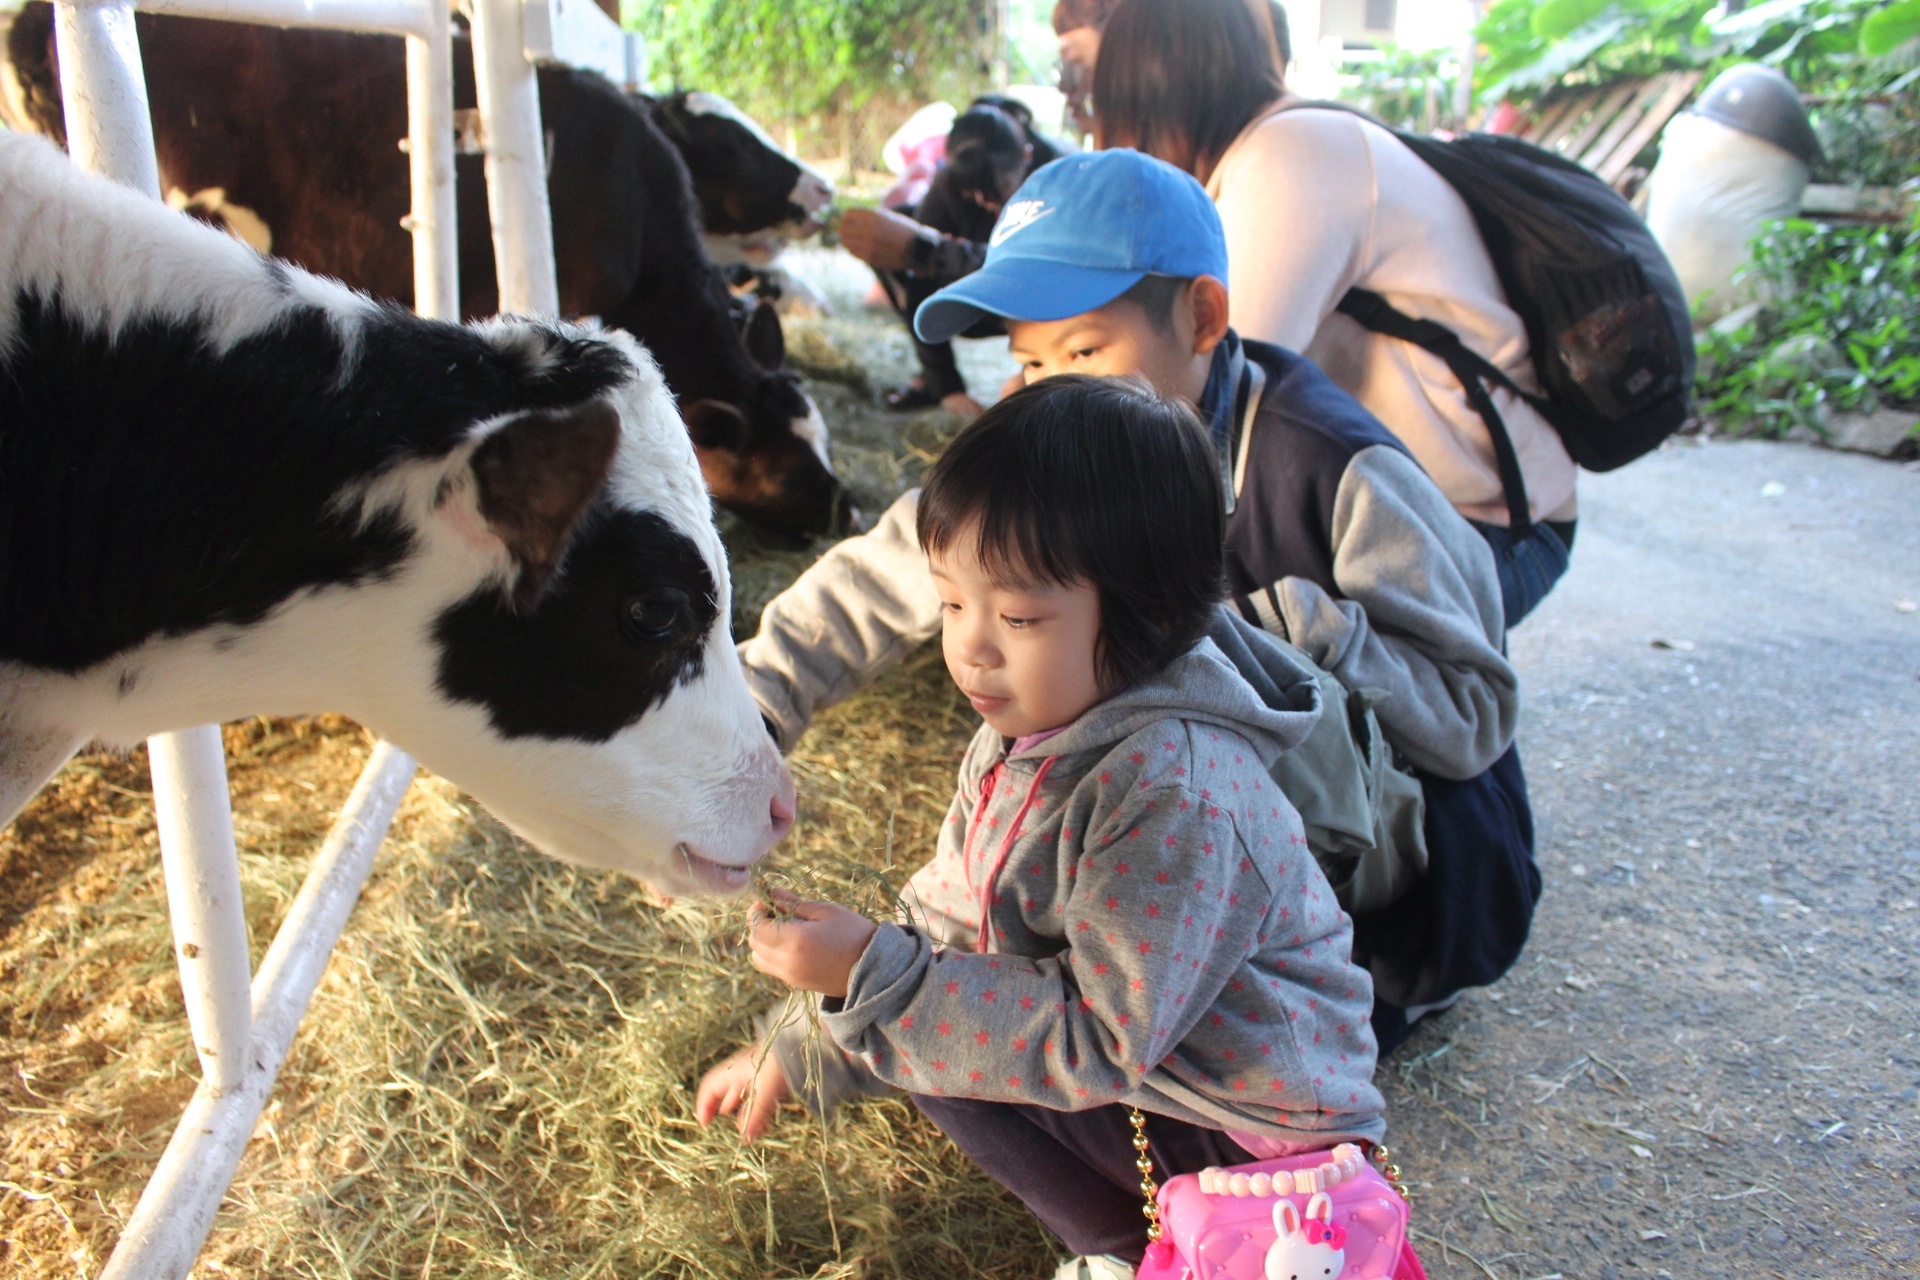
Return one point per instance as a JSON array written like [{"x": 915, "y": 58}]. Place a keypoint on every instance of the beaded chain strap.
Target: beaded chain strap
[{"x": 1347, "y": 1160}]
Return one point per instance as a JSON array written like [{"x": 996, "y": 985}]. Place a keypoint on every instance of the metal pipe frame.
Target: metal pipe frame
[
  {"x": 168, "y": 1226},
  {"x": 508, "y": 93},
  {"x": 242, "y": 1030}
]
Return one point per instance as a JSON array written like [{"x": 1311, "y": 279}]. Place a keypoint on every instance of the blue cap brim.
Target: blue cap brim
[{"x": 1019, "y": 289}]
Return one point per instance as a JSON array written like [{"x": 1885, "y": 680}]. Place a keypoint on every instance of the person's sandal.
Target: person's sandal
[{"x": 912, "y": 398}]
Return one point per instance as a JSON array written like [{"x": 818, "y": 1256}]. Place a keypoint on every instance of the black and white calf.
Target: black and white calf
[
  {"x": 231, "y": 488},
  {"x": 755, "y": 198}
]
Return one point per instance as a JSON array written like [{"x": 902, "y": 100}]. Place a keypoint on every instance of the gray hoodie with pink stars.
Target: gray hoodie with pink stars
[{"x": 1128, "y": 912}]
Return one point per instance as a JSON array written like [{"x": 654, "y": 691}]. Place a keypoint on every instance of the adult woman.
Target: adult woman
[
  {"x": 1316, "y": 201},
  {"x": 1077, "y": 24}
]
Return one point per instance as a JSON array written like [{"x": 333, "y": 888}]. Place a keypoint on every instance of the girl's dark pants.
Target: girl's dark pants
[{"x": 1075, "y": 1169}]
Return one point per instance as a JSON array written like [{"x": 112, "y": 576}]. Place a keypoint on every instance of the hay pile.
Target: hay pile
[{"x": 495, "y": 1078}]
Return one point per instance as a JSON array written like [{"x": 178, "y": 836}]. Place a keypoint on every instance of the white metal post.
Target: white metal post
[
  {"x": 508, "y": 93},
  {"x": 176, "y": 1210},
  {"x": 436, "y": 245},
  {"x": 194, "y": 813},
  {"x": 109, "y": 130}
]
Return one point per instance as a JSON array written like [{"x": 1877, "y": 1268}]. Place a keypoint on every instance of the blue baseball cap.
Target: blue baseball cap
[{"x": 1078, "y": 233}]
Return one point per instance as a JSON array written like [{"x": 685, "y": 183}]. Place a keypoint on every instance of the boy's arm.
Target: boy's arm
[
  {"x": 1149, "y": 909},
  {"x": 862, "y": 607},
  {"x": 1420, "y": 620}
]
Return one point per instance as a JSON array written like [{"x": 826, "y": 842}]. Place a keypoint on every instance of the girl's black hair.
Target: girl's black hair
[
  {"x": 984, "y": 146},
  {"x": 1097, "y": 480}
]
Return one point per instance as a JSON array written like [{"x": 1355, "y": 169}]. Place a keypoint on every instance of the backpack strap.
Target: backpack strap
[{"x": 1475, "y": 372}]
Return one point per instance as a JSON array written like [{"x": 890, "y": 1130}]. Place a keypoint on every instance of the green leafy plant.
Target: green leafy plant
[
  {"x": 1891, "y": 27},
  {"x": 1837, "y": 327},
  {"x": 1533, "y": 46},
  {"x": 1411, "y": 89},
  {"x": 796, "y": 58}
]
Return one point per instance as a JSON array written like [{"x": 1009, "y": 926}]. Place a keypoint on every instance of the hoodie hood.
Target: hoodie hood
[{"x": 1260, "y": 692}]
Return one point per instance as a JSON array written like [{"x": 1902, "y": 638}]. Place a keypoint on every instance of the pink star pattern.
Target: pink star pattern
[{"x": 1247, "y": 993}]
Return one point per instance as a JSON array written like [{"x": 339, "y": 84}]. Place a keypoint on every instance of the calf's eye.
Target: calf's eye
[{"x": 656, "y": 616}]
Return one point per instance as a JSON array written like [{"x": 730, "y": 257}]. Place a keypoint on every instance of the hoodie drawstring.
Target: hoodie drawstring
[{"x": 1006, "y": 847}]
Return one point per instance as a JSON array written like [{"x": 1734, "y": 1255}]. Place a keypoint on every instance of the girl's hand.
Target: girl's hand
[
  {"x": 746, "y": 1086},
  {"x": 814, "y": 949}
]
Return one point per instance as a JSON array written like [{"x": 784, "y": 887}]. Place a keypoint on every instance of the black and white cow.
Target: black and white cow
[
  {"x": 755, "y": 198},
  {"x": 287, "y": 138},
  {"x": 228, "y": 488}
]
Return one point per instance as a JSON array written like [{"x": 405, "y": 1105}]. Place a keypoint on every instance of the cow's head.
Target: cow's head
[
  {"x": 584, "y": 683},
  {"x": 748, "y": 187},
  {"x": 767, "y": 457},
  {"x": 236, "y": 489}
]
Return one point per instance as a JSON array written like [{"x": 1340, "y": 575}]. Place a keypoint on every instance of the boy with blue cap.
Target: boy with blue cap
[{"x": 1336, "y": 543}]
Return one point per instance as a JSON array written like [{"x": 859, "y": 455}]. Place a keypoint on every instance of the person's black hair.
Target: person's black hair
[
  {"x": 1097, "y": 480},
  {"x": 984, "y": 147},
  {"x": 1019, "y": 112},
  {"x": 1156, "y": 295},
  {"x": 1179, "y": 79}
]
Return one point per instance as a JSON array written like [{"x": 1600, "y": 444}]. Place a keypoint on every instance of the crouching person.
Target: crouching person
[
  {"x": 1122, "y": 911},
  {"x": 1335, "y": 542}
]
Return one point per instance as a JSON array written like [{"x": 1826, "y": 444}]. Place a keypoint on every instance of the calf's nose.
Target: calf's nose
[{"x": 783, "y": 809}]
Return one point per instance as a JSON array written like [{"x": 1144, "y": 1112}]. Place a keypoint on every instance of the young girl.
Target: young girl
[{"x": 1123, "y": 911}]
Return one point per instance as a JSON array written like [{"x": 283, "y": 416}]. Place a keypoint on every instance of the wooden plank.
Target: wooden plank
[
  {"x": 1610, "y": 106},
  {"x": 1679, "y": 89},
  {"x": 1557, "y": 112},
  {"x": 1622, "y": 124}
]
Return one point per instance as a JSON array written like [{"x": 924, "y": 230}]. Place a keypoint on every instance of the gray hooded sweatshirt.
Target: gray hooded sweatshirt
[{"x": 1128, "y": 912}]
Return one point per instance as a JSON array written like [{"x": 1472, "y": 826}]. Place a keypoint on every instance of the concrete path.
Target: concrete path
[{"x": 1706, "y": 1065}]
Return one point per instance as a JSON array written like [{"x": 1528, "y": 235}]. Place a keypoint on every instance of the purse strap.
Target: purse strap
[{"x": 1143, "y": 1161}]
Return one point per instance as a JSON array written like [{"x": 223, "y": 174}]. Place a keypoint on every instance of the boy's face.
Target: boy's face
[
  {"x": 1120, "y": 339},
  {"x": 1115, "y": 340},
  {"x": 1023, "y": 654}
]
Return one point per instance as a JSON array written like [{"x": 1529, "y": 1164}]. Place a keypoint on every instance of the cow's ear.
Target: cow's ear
[
  {"x": 765, "y": 341},
  {"x": 714, "y": 424},
  {"x": 536, "y": 477}
]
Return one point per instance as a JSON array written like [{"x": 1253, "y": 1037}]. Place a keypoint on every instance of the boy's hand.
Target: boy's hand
[
  {"x": 814, "y": 949},
  {"x": 746, "y": 1086}
]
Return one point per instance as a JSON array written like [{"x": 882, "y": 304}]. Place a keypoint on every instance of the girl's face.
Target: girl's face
[{"x": 1023, "y": 654}]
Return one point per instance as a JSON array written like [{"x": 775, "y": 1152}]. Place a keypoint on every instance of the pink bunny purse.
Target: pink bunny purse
[{"x": 1323, "y": 1215}]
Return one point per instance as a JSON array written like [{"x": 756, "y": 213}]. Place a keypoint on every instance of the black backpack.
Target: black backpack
[{"x": 1607, "y": 321}]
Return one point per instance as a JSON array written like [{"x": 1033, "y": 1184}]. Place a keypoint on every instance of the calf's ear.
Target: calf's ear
[
  {"x": 714, "y": 424},
  {"x": 536, "y": 476},
  {"x": 765, "y": 340}
]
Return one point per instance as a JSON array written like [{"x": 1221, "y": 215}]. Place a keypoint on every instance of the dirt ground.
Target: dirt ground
[{"x": 1706, "y": 1064}]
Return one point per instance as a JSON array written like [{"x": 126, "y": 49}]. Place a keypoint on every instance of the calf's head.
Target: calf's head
[
  {"x": 748, "y": 187},
  {"x": 766, "y": 454},
  {"x": 229, "y": 488},
  {"x": 583, "y": 680}
]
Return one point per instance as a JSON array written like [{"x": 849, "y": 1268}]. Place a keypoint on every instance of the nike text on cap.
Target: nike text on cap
[{"x": 1079, "y": 233}]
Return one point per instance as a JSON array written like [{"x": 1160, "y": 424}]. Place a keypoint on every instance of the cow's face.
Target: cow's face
[
  {"x": 581, "y": 679},
  {"x": 746, "y": 184},
  {"x": 768, "y": 459}
]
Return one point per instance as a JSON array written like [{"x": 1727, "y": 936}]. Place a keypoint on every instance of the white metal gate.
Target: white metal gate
[{"x": 243, "y": 1023}]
